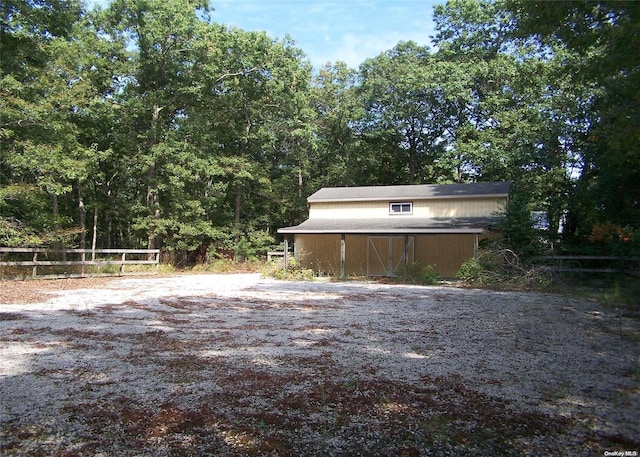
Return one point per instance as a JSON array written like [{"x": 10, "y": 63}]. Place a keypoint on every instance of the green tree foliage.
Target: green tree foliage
[
  {"x": 153, "y": 100},
  {"x": 407, "y": 108},
  {"x": 208, "y": 118},
  {"x": 42, "y": 90},
  {"x": 147, "y": 124},
  {"x": 337, "y": 159},
  {"x": 513, "y": 124},
  {"x": 602, "y": 39}
]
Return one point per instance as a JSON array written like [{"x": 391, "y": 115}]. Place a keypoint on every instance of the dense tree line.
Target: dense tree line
[{"x": 148, "y": 124}]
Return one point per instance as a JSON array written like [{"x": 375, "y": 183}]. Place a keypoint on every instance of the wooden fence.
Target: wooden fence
[
  {"x": 31, "y": 263},
  {"x": 591, "y": 264}
]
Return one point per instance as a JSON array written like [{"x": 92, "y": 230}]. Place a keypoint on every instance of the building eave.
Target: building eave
[
  {"x": 499, "y": 189},
  {"x": 404, "y": 198},
  {"x": 391, "y": 226},
  {"x": 416, "y": 231}
]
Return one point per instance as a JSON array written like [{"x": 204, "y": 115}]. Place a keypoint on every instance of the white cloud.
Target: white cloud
[
  {"x": 360, "y": 30},
  {"x": 332, "y": 30},
  {"x": 355, "y": 48}
]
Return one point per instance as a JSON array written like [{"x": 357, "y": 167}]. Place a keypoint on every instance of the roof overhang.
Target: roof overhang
[
  {"x": 402, "y": 197},
  {"x": 412, "y": 192},
  {"x": 399, "y": 225}
]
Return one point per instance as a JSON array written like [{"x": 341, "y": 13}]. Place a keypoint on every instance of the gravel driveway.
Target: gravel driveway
[{"x": 231, "y": 365}]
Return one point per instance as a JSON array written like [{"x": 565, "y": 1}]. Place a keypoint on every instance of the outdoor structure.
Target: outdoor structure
[{"x": 382, "y": 230}]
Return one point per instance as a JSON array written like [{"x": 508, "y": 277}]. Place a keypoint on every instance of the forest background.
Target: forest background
[{"x": 146, "y": 124}]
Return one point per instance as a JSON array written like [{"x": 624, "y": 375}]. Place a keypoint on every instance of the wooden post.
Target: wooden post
[
  {"x": 390, "y": 259},
  {"x": 286, "y": 251},
  {"x": 406, "y": 255},
  {"x": 475, "y": 247},
  {"x": 82, "y": 265},
  {"x": 124, "y": 256},
  {"x": 343, "y": 254},
  {"x": 34, "y": 270}
]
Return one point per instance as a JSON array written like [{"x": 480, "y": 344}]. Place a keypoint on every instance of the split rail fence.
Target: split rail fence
[
  {"x": 31, "y": 263},
  {"x": 592, "y": 264}
]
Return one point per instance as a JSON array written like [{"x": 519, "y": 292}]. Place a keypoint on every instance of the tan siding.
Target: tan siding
[
  {"x": 474, "y": 207},
  {"x": 379, "y": 249},
  {"x": 477, "y": 207},
  {"x": 322, "y": 252},
  {"x": 386, "y": 254},
  {"x": 446, "y": 252},
  {"x": 356, "y": 255},
  {"x": 348, "y": 210}
]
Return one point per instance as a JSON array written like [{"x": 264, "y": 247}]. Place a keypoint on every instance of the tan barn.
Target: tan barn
[{"x": 381, "y": 230}]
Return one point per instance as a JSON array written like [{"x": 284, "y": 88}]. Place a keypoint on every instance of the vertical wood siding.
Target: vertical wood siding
[
  {"x": 446, "y": 251},
  {"x": 451, "y": 207},
  {"x": 356, "y": 258},
  {"x": 322, "y": 252}
]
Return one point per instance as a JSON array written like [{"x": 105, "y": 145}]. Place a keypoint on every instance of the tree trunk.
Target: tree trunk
[
  {"x": 56, "y": 217},
  {"x": 54, "y": 210},
  {"x": 109, "y": 231},
  {"x": 238, "y": 205},
  {"x": 153, "y": 199},
  {"x": 153, "y": 205},
  {"x": 412, "y": 166},
  {"x": 82, "y": 218},
  {"x": 95, "y": 233}
]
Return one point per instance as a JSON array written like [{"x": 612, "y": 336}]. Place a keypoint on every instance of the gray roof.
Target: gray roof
[
  {"x": 393, "y": 225},
  {"x": 416, "y": 191}
]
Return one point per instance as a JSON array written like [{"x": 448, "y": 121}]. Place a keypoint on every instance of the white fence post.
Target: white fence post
[{"x": 34, "y": 270}]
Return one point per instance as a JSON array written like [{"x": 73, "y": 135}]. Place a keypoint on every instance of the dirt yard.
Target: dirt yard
[{"x": 231, "y": 365}]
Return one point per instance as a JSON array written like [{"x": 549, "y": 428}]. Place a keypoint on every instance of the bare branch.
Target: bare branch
[{"x": 238, "y": 73}]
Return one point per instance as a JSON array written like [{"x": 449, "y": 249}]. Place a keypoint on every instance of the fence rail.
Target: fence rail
[
  {"x": 13, "y": 264},
  {"x": 592, "y": 264}
]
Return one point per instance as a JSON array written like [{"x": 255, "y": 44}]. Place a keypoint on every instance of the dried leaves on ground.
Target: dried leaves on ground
[{"x": 238, "y": 365}]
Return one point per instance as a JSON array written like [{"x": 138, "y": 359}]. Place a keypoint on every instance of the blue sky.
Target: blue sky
[{"x": 331, "y": 30}]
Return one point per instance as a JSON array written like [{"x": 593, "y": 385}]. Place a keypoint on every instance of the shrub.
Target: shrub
[
  {"x": 470, "y": 271},
  {"x": 166, "y": 269},
  {"x": 518, "y": 233},
  {"x": 500, "y": 268},
  {"x": 419, "y": 273},
  {"x": 612, "y": 239},
  {"x": 227, "y": 266},
  {"x": 294, "y": 271}
]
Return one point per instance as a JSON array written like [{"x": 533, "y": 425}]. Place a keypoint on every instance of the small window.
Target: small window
[{"x": 401, "y": 208}]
